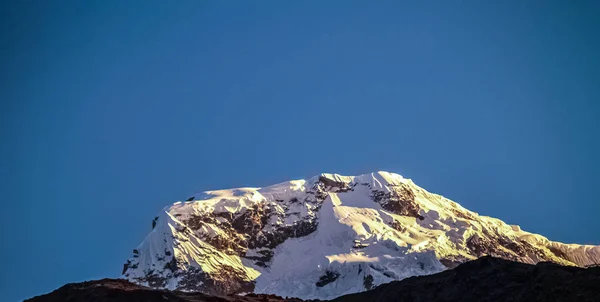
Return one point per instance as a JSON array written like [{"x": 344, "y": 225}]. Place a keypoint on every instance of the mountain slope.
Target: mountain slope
[
  {"x": 324, "y": 237},
  {"x": 118, "y": 290},
  {"x": 485, "y": 279},
  {"x": 491, "y": 279}
]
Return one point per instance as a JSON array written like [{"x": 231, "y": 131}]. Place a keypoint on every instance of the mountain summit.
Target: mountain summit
[{"x": 324, "y": 237}]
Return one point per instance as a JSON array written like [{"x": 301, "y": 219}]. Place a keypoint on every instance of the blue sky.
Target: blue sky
[{"x": 112, "y": 110}]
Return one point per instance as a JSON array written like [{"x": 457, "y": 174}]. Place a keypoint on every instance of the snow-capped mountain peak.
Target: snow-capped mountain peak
[{"x": 325, "y": 236}]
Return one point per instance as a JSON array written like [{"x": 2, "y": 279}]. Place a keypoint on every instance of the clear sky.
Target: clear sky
[{"x": 111, "y": 110}]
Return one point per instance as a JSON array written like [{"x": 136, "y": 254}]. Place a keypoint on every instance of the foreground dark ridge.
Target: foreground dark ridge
[
  {"x": 484, "y": 279},
  {"x": 492, "y": 279},
  {"x": 120, "y": 290}
]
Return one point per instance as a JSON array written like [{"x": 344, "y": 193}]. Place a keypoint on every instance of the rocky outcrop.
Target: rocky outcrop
[{"x": 399, "y": 200}]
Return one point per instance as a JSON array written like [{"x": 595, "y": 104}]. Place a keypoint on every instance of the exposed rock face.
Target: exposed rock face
[
  {"x": 400, "y": 201},
  {"x": 364, "y": 230},
  {"x": 327, "y": 278}
]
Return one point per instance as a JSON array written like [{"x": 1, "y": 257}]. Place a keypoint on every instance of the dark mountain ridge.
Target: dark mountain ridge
[
  {"x": 484, "y": 279},
  {"x": 492, "y": 279}
]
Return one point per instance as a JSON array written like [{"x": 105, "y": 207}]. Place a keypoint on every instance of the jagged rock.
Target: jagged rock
[{"x": 327, "y": 278}]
